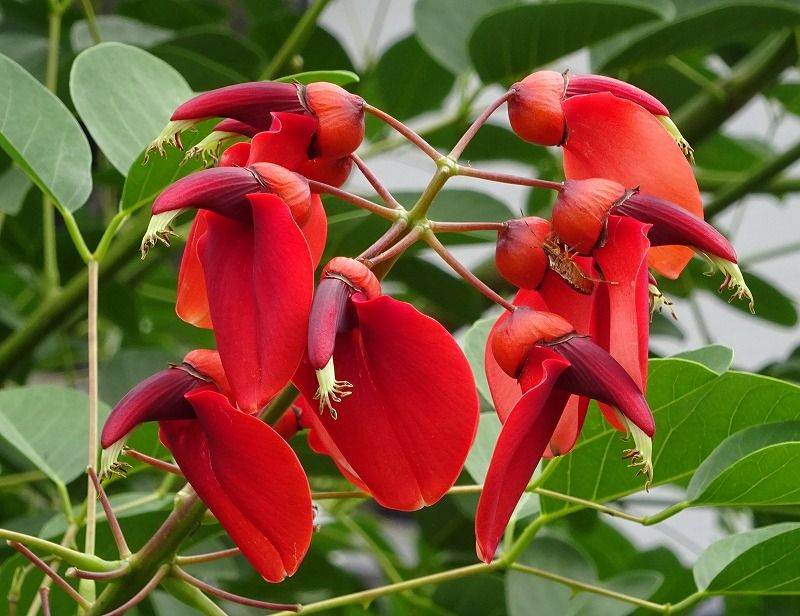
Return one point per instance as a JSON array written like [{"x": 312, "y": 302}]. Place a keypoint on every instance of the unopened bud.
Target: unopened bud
[
  {"x": 519, "y": 255},
  {"x": 581, "y": 210},
  {"x": 534, "y": 108},
  {"x": 520, "y": 331},
  {"x": 341, "y": 119}
]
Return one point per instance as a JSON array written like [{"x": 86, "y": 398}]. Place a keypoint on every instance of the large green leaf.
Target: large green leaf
[
  {"x": 752, "y": 467},
  {"x": 125, "y": 96},
  {"x": 701, "y": 25},
  {"x": 43, "y": 137},
  {"x": 47, "y": 427},
  {"x": 514, "y": 41},
  {"x": 474, "y": 344},
  {"x": 410, "y": 81},
  {"x": 118, "y": 29},
  {"x": 27, "y": 50},
  {"x": 716, "y": 357},
  {"x": 14, "y": 186},
  {"x": 765, "y": 560},
  {"x": 443, "y": 28},
  {"x": 695, "y": 409}
]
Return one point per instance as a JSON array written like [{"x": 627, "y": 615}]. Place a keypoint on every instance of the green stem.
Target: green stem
[
  {"x": 108, "y": 235},
  {"x": 685, "y": 604},
  {"x": 578, "y": 586},
  {"x": 295, "y": 41},
  {"x": 17, "y": 479},
  {"x": 365, "y": 597},
  {"x": 279, "y": 404},
  {"x": 91, "y": 21},
  {"x": 73, "y": 557},
  {"x": 754, "y": 180},
  {"x": 66, "y": 503},
  {"x": 74, "y": 233},
  {"x": 91, "y": 493},
  {"x": 527, "y": 535}
]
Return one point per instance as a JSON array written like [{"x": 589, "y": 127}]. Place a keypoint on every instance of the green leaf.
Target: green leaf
[
  {"x": 474, "y": 345},
  {"x": 640, "y": 584},
  {"x": 43, "y": 137},
  {"x": 443, "y": 28},
  {"x": 410, "y": 82},
  {"x": 14, "y": 186},
  {"x": 716, "y": 357},
  {"x": 512, "y": 42},
  {"x": 144, "y": 181},
  {"x": 340, "y": 78},
  {"x": 752, "y": 467},
  {"x": 700, "y": 26},
  {"x": 27, "y": 50},
  {"x": 47, "y": 427},
  {"x": 118, "y": 29},
  {"x": 129, "y": 367},
  {"x": 765, "y": 560},
  {"x": 695, "y": 409},
  {"x": 125, "y": 96}
]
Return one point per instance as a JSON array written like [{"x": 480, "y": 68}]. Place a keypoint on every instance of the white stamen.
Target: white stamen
[
  {"x": 159, "y": 229},
  {"x": 642, "y": 453},
  {"x": 208, "y": 148},
  {"x": 687, "y": 149},
  {"x": 658, "y": 301},
  {"x": 330, "y": 390},
  {"x": 171, "y": 135},
  {"x": 734, "y": 280},
  {"x": 109, "y": 460}
]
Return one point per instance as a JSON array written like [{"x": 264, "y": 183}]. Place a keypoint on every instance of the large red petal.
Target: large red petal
[
  {"x": 260, "y": 282},
  {"x": 315, "y": 229},
  {"x": 286, "y": 142},
  {"x": 192, "y": 304},
  {"x": 616, "y": 139},
  {"x": 520, "y": 446},
  {"x": 412, "y": 416},
  {"x": 260, "y": 473}
]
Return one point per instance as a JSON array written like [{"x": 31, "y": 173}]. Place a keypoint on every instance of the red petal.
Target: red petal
[
  {"x": 412, "y": 416},
  {"x": 235, "y": 126},
  {"x": 260, "y": 282},
  {"x": 236, "y": 155},
  {"x": 315, "y": 229},
  {"x": 260, "y": 473},
  {"x": 616, "y": 139},
  {"x": 192, "y": 304},
  {"x": 519, "y": 448},
  {"x": 285, "y": 143}
]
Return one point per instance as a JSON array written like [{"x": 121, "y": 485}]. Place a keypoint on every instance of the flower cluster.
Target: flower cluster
[{"x": 384, "y": 390}]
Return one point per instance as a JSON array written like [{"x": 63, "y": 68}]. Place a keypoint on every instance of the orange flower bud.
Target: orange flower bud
[
  {"x": 289, "y": 186},
  {"x": 341, "y": 119},
  {"x": 581, "y": 210},
  {"x": 519, "y": 255},
  {"x": 534, "y": 108},
  {"x": 333, "y": 171},
  {"x": 521, "y": 331}
]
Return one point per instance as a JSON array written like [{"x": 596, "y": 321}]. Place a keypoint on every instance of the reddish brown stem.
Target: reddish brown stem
[
  {"x": 44, "y": 597},
  {"x": 154, "y": 462},
  {"x": 113, "y": 523},
  {"x": 392, "y": 234},
  {"x": 396, "y": 250},
  {"x": 506, "y": 178},
  {"x": 365, "y": 204},
  {"x": 97, "y": 575},
  {"x": 228, "y": 596},
  {"x": 142, "y": 594},
  {"x": 461, "y": 227},
  {"x": 51, "y": 573},
  {"x": 467, "y": 275},
  {"x": 382, "y": 191},
  {"x": 196, "y": 559},
  {"x": 404, "y": 130},
  {"x": 462, "y": 144}
]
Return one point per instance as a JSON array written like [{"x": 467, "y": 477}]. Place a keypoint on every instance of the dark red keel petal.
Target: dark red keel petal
[
  {"x": 616, "y": 139},
  {"x": 407, "y": 426},
  {"x": 519, "y": 449},
  {"x": 192, "y": 303},
  {"x": 260, "y": 281},
  {"x": 261, "y": 475}
]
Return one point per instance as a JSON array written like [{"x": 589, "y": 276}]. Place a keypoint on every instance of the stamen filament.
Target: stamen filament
[
  {"x": 330, "y": 389},
  {"x": 159, "y": 229},
  {"x": 734, "y": 280}
]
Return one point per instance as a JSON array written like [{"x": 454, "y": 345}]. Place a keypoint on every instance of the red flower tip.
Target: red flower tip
[
  {"x": 209, "y": 366},
  {"x": 333, "y": 171},
  {"x": 523, "y": 329},
  {"x": 289, "y": 186},
  {"x": 589, "y": 84},
  {"x": 235, "y": 126},
  {"x": 672, "y": 224},
  {"x": 534, "y": 108},
  {"x": 355, "y": 273},
  {"x": 158, "y": 397},
  {"x": 250, "y": 103},
  {"x": 235, "y": 155},
  {"x": 519, "y": 255},
  {"x": 221, "y": 190},
  {"x": 341, "y": 119},
  {"x": 581, "y": 210}
]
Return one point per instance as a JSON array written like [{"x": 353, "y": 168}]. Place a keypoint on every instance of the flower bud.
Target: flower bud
[
  {"x": 358, "y": 275},
  {"x": 534, "y": 108},
  {"x": 341, "y": 119},
  {"x": 581, "y": 210},
  {"x": 289, "y": 186},
  {"x": 333, "y": 171},
  {"x": 519, "y": 255},
  {"x": 523, "y": 329}
]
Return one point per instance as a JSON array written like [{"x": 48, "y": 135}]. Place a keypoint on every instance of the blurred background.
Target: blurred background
[{"x": 725, "y": 68}]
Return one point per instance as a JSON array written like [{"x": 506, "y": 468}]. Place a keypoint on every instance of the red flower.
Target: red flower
[
  {"x": 245, "y": 473},
  {"x": 550, "y": 362},
  {"x": 402, "y": 422}
]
